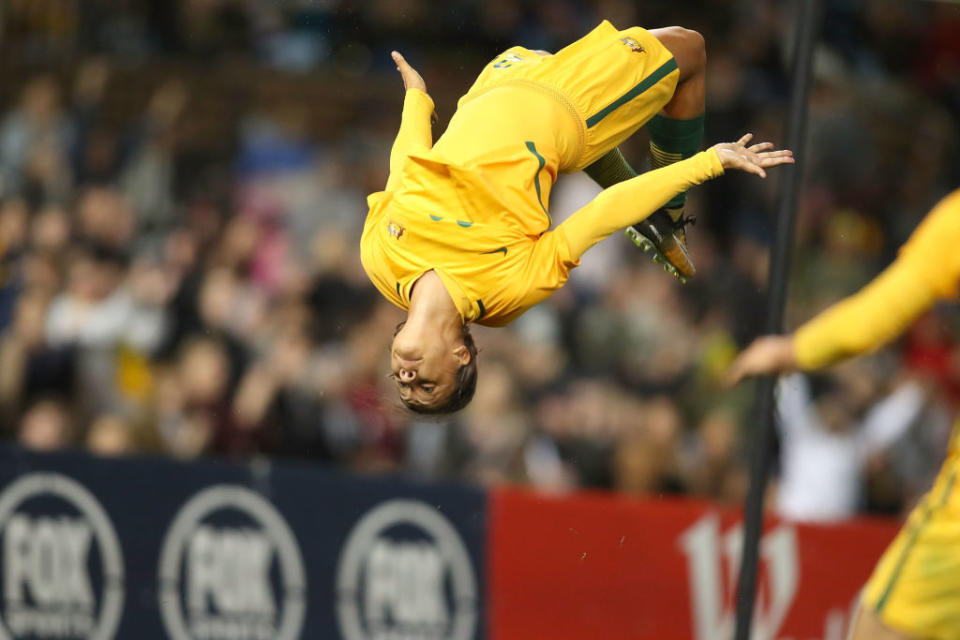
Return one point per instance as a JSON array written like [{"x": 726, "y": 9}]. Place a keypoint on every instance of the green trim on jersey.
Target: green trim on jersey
[
  {"x": 663, "y": 71},
  {"x": 536, "y": 179},
  {"x": 914, "y": 534}
]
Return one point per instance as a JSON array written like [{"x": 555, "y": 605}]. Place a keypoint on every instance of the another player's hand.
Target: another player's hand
[
  {"x": 411, "y": 79},
  {"x": 753, "y": 159},
  {"x": 767, "y": 355}
]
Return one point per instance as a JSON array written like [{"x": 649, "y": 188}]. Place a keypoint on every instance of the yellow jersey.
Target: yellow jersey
[
  {"x": 474, "y": 208},
  {"x": 915, "y": 587}
]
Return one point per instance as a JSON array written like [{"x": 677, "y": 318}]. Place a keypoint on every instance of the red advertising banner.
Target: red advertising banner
[{"x": 592, "y": 566}]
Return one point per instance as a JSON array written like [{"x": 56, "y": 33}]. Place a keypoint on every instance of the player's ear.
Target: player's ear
[{"x": 462, "y": 354}]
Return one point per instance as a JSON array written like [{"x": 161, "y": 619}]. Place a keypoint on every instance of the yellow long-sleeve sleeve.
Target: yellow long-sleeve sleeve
[
  {"x": 865, "y": 321},
  {"x": 415, "y": 133},
  {"x": 927, "y": 269},
  {"x": 631, "y": 201}
]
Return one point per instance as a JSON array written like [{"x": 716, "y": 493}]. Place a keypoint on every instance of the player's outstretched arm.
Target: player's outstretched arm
[
  {"x": 631, "y": 201},
  {"x": 927, "y": 269},
  {"x": 869, "y": 319},
  {"x": 415, "y": 124}
]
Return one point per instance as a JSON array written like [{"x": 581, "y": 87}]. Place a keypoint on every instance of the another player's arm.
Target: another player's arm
[
  {"x": 861, "y": 323},
  {"x": 631, "y": 201},
  {"x": 927, "y": 270},
  {"x": 415, "y": 130}
]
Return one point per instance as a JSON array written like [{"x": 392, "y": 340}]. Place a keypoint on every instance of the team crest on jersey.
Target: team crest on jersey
[
  {"x": 507, "y": 61},
  {"x": 635, "y": 46},
  {"x": 395, "y": 230}
]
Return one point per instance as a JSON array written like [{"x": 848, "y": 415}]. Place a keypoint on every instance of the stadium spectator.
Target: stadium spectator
[
  {"x": 45, "y": 427},
  {"x": 827, "y": 443},
  {"x": 178, "y": 246}
]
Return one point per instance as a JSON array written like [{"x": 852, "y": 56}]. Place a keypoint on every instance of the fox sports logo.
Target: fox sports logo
[
  {"x": 230, "y": 569},
  {"x": 62, "y": 568},
  {"x": 405, "y": 574}
]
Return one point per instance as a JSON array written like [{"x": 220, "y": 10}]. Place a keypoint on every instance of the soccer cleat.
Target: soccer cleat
[{"x": 665, "y": 238}]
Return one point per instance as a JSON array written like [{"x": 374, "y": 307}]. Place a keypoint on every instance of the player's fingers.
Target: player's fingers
[
  {"x": 777, "y": 154},
  {"x": 776, "y": 158},
  {"x": 782, "y": 153},
  {"x": 745, "y": 139},
  {"x": 743, "y": 160},
  {"x": 776, "y": 162},
  {"x": 751, "y": 166},
  {"x": 734, "y": 374},
  {"x": 411, "y": 79},
  {"x": 762, "y": 146},
  {"x": 749, "y": 363},
  {"x": 756, "y": 163}
]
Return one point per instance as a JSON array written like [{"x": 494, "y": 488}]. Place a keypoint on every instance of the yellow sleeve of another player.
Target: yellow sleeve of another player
[
  {"x": 631, "y": 201},
  {"x": 927, "y": 269},
  {"x": 415, "y": 133}
]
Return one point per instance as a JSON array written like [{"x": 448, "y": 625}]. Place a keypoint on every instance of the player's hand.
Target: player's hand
[
  {"x": 767, "y": 355},
  {"x": 411, "y": 79},
  {"x": 753, "y": 159}
]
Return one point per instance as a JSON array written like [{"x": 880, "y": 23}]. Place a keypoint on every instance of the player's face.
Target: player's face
[{"x": 424, "y": 370}]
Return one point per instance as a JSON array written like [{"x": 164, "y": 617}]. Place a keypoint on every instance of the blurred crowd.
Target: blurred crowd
[{"x": 179, "y": 271}]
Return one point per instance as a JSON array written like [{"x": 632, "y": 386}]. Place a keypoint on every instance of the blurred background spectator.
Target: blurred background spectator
[{"x": 182, "y": 190}]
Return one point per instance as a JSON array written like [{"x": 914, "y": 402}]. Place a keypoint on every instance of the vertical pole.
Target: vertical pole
[{"x": 805, "y": 17}]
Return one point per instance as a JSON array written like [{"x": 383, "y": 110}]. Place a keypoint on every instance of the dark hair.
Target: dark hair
[{"x": 464, "y": 384}]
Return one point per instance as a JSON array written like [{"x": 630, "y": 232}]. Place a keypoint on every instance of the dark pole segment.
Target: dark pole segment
[{"x": 805, "y": 17}]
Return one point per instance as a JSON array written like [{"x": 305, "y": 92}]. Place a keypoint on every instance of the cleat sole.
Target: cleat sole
[{"x": 647, "y": 246}]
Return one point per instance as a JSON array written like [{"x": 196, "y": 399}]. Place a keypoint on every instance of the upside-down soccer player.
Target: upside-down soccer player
[
  {"x": 462, "y": 232},
  {"x": 914, "y": 591}
]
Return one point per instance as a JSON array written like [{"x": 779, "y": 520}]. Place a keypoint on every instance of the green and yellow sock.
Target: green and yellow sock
[
  {"x": 610, "y": 169},
  {"x": 672, "y": 140}
]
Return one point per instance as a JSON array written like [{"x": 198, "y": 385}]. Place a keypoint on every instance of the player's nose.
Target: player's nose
[{"x": 406, "y": 375}]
